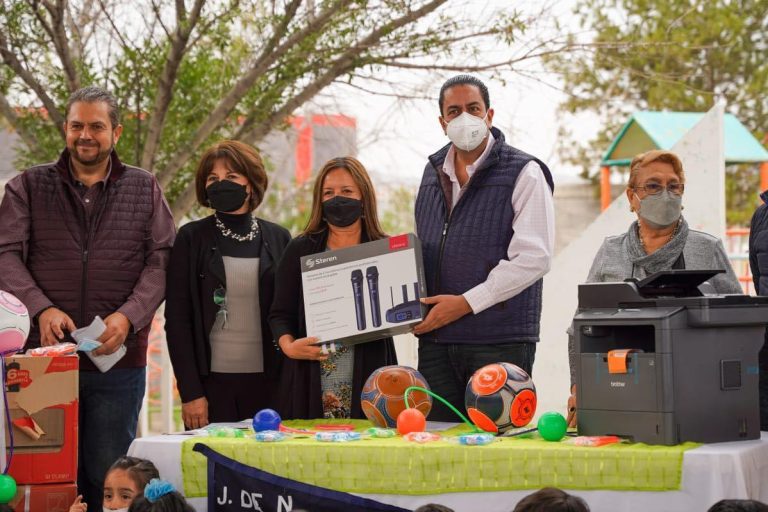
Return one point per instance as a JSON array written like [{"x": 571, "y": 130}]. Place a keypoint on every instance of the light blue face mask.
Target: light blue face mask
[{"x": 107, "y": 509}]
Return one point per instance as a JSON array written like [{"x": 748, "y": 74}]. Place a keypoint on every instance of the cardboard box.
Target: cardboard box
[
  {"x": 48, "y": 498},
  {"x": 43, "y": 401},
  {"x": 366, "y": 292}
]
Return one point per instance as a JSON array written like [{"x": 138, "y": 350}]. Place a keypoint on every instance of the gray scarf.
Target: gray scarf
[{"x": 646, "y": 264}]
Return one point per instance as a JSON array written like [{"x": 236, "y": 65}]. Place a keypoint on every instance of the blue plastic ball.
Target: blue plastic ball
[{"x": 266, "y": 419}]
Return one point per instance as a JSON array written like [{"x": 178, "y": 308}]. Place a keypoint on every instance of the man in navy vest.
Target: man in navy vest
[
  {"x": 485, "y": 217},
  {"x": 758, "y": 264},
  {"x": 89, "y": 236}
]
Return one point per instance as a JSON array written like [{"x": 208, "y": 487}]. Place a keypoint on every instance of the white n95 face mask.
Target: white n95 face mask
[
  {"x": 124, "y": 509},
  {"x": 467, "y": 131}
]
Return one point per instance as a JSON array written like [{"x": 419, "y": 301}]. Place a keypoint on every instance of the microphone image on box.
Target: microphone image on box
[
  {"x": 357, "y": 292},
  {"x": 407, "y": 310},
  {"x": 372, "y": 276}
]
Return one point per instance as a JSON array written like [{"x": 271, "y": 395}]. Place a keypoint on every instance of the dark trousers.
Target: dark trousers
[
  {"x": 109, "y": 413},
  {"x": 237, "y": 396},
  {"x": 763, "y": 362},
  {"x": 447, "y": 368}
]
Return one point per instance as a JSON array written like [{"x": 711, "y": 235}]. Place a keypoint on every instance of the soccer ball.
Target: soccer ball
[
  {"x": 14, "y": 323},
  {"x": 499, "y": 397},
  {"x": 382, "y": 396}
]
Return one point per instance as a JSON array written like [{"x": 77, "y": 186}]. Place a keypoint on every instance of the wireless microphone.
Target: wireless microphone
[
  {"x": 357, "y": 292},
  {"x": 372, "y": 276}
]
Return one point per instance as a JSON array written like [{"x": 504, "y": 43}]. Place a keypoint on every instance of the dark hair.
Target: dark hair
[
  {"x": 550, "y": 499},
  {"x": 238, "y": 157},
  {"x": 371, "y": 225},
  {"x": 140, "y": 471},
  {"x": 93, "y": 94},
  {"x": 464, "y": 80},
  {"x": 433, "y": 507},
  {"x": 171, "y": 502},
  {"x": 738, "y": 506}
]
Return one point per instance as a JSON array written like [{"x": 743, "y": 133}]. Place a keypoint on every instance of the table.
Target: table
[{"x": 710, "y": 473}]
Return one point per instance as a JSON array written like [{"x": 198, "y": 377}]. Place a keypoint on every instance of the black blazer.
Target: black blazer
[
  {"x": 195, "y": 270},
  {"x": 300, "y": 395}
]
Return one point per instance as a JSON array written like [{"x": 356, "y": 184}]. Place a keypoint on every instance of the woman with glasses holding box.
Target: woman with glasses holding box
[{"x": 660, "y": 238}]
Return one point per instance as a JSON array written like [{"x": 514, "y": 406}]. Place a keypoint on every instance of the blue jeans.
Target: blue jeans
[
  {"x": 109, "y": 413},
  {"x": 447, "y": 368}
]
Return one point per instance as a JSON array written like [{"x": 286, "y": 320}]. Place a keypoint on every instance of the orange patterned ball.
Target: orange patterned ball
[
  {"x": 382, "y": 396},
  {"x": 499, "y": 397}
]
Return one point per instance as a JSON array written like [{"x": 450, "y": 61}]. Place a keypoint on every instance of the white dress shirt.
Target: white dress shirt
[{"x": 530, "y": 251}]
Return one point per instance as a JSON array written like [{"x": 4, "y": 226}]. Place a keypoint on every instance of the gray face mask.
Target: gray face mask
[{"x": 661, "y": 210}]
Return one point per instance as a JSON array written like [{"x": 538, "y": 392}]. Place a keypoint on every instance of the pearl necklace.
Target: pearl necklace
[
  {"x": 671, "y": 235},
  {"x": 228, "y": 233}
]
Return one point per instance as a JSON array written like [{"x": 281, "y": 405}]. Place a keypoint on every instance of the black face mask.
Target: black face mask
[
  {"x": 342, "y": 211},
  {"x": 226, "y": 196}
]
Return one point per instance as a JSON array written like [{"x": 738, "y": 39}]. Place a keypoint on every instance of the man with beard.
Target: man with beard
[
  {"x": 89, "y": 236},
  {"x": 485, "y": 217}
]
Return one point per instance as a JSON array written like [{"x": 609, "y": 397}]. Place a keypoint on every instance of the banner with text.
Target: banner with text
[{"x": 234, "y": 487}]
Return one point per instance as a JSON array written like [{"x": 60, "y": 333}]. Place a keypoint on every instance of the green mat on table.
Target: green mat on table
[{"x": 396, "y": 466}]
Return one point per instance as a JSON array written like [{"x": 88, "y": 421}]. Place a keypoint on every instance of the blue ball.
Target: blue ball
[{"x": 266, "y": 419}]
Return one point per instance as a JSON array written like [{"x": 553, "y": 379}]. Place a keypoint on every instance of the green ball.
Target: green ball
[
  {"x": 552, "y": 426},
  {"x": 7, "y": 488}
]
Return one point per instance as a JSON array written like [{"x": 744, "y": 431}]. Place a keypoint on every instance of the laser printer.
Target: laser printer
[{"x": 660, "y": 361}]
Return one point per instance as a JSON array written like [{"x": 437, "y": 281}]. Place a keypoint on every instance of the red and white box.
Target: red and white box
[
  {"x": 43, "y": 401},
  {"x": 50, "y": 498}
]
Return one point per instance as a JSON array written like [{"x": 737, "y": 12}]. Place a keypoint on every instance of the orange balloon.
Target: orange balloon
[{"x": 411, "y": 420}]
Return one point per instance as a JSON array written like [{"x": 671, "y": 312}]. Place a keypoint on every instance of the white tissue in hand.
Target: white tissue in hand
[{"x": 86, "y": 341}]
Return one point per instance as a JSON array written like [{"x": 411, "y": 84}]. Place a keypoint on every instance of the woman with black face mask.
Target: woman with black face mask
[
  {"x": 313, "y": 384},
  {"x": 220, "y": 284}
]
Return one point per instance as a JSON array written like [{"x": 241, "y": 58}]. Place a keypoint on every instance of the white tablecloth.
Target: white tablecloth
[{"x": 710, "y": 473}]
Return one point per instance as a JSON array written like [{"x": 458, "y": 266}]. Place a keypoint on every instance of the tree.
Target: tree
[
  {"x": 662, "y": 55},
  {"x": 190, "y": 72}
]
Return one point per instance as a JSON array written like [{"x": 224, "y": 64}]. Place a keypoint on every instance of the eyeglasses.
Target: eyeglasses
[{"x": 655, "y": 188}]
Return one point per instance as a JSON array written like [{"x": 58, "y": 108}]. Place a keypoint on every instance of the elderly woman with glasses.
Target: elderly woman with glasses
[{"x": 659, "y": 239}]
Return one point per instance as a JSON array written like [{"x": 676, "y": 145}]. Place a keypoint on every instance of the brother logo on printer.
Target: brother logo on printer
[
  {"x": 319, "y": 261},
  {"x": 618, "y": 384}
]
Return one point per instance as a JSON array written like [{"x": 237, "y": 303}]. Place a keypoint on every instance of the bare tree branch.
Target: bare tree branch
[
  {"x": 345, "y": 63},
  {"x": 7, "y": 111},
  {"x": 270, "y": 53},
  {"x": 10, "y": 60},
  {"x": 159, "y": 18},
  {"x": 56, "y": 30},
  {"x": 399, "y": 96},
  {"x": 111, "y": 21},
  {"x": 185, "y": 26}
]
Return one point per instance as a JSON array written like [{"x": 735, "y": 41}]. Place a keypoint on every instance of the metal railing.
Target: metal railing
[{"x": 737, "y": 248}]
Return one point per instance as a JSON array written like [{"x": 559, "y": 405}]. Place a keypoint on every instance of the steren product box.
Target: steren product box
[
  {"x": 366, "y": 292},
  {"x": 49, "y": 497},
  {"x": 43, "y": 402}
]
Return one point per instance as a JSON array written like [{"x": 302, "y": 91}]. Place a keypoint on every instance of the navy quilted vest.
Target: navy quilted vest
[
  {"x": 758, "y": 244},
  {"x": 474, "y": 239},
  {"x": 89, "y": 269}
]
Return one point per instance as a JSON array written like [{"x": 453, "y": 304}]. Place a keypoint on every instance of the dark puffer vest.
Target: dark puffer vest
[
  {"x": 89, "y": 268},
  {"x": 462, "y": 246},
  {"x": 758, "y": 246}
]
